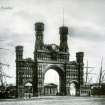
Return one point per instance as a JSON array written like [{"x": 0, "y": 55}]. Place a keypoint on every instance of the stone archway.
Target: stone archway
[{"x": 62, "y": 80}]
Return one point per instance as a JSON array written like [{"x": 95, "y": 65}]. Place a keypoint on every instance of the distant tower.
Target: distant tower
[
  {"x": 39, "y": 28},
  {"x": 80, "y": 64},
  {"x": 63, "y": 38},
  {"x": 19, "y": 58}
]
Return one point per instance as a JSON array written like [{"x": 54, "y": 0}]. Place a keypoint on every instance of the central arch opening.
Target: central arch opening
[{"x": 51, "y": 83}]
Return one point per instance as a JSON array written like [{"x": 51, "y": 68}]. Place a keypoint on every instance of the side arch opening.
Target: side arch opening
[
  {"x": 73, "y": 88},
  {"x": 28, "y": 90}
]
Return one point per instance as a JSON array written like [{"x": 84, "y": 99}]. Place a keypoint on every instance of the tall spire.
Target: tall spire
[
  {"x": 100, "y": 76},
  {"x": 87, "y": 72},
  {"x": 63, "y": 16},
  {"x": 63, "y": 30}
]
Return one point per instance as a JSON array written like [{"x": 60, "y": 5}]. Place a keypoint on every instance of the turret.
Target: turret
[
  {"x": 19, "y": 53},
  {"x": 19, "y": 57},
  {"x": 79, "y": 57},
  {"x": 63, "y": 38},
  {"x": 39, "y": 28},
  {"x": 80, "y": 64}
]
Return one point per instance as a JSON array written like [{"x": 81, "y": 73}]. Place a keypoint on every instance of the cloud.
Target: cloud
[
  {"x": 87, "y": 33},
  {"x": 85, "y": 19}
]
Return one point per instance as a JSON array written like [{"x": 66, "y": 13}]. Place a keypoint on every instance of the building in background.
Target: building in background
[{"x": 50, "y": 90}]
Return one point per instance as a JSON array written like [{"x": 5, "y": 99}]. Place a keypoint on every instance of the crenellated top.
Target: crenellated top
[
  {"x": 63, "y": 30},
  {"x": 79, "y": 57},
  {"x": 39, "y": 26},
  {"x": 19, "y": 52}
]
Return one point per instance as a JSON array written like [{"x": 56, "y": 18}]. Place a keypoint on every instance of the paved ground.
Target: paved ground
[{"x": 62, "y": 100}]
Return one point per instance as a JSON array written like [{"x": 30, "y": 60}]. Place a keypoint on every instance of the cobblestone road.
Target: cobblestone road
[{"x": 66, "y": 100}]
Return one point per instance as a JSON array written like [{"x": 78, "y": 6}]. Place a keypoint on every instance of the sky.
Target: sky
[{"x": 84, "y": 18}]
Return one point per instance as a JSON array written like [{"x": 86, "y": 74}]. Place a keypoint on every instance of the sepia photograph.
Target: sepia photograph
[{"x": 52, "y": 52}]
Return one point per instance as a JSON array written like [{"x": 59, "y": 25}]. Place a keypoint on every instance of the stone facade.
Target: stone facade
[{"x": 48, "y": 56}]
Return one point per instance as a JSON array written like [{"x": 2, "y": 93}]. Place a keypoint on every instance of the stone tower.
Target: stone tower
[
  {"x": 80, "y": 64},
  {"x": 63, "y": 38},
  {"x": 39, "y": 28},
  {"x": 19, "y": 82}
]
